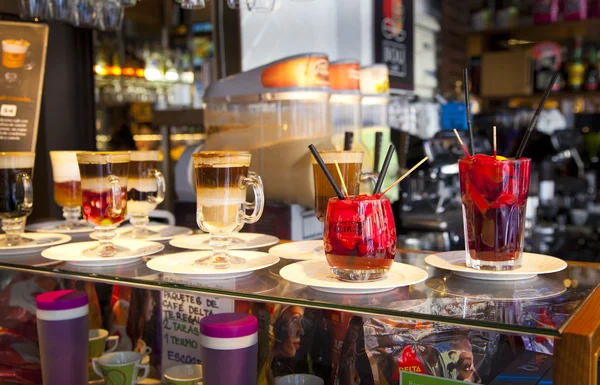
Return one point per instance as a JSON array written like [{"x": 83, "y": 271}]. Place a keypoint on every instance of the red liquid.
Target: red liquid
[
  {"x": 494, "y": 196},
  {"x": 97, "y": 208},
  {"x": 360, "y": 233}
]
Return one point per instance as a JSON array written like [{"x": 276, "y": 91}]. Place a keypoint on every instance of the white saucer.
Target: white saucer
[
  {"x": 317, "y": 275},
  {"x": 241, "y": 241},
  {"x": 71, "y": 253},
  {"x": 165, "y": 232},
  {"x": 51, "y": 227},
  {"x": 182, "y": 264},
  {"x": 40, "y": 242},
  {"x": 478, "y": 289},
  {"x": 533, "y": 264},
  {"x": 299, "y": 251}
]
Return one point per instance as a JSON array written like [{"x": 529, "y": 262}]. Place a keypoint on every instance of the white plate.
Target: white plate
[
  {"x": 40, "y": 242},
  {"x": 299, "y": 251},
  {"x": 317, "y": 275},
  {"x": 51, "y": 227},
  {"x": 182, "y": 264},
  {"x": 533, "y": 264},
  {"x": 241, "y": 241},
  {"x": 71, "y": 253},
  {"x": 165, "y": 232},
  {"x": 478, "y": 289}
]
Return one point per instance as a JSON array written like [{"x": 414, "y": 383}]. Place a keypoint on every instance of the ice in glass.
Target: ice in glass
[
  {"x": 360, "y": 237},
  {"x": 494, "y": 197}
]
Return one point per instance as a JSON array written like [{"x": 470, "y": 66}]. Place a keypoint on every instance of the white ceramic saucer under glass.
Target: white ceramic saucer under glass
[
  {"x": 164, "y": 232},
  {"x": 299, "y": 251},
  {"x": 182, "y": 264},
  {"x": 532, "y": 265},
  {"x": 241, "y": 241},
  {"x": 73, "y": 253},
  {"x": 53, "y": 227},
  {"x": 39, "y": 241},
  {"x": 317, "y": 275}
]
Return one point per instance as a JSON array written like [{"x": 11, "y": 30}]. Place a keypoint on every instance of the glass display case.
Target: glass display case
[{"x": 554, "y": 314}]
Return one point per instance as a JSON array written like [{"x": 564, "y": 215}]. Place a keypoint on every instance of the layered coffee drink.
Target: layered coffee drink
[
  {"x": 220, "y": 193},
  {"x": 16, "y": 171},
  {"x": 104, "y": 188},
  {"x": 141, "y": 184},
  {"x": 67, "y": 182},
  {"x": 14, "y": 52},
  {"x": 350, "y": 163}
]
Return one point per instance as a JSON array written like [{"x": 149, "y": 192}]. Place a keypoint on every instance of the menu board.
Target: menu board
[
  {"x": 394, "y": 41},
  {"x": 180, "y": 320},
  {"x": 22, "y": 67}
]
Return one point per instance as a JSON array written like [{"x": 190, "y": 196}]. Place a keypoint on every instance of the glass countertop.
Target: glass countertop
[{"x": 536, "y": 306}]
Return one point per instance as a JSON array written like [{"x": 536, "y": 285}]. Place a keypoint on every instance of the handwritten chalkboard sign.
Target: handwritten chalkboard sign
[
  {"x": 21, "y": 79},
  {"x": 181, "y": 315}
]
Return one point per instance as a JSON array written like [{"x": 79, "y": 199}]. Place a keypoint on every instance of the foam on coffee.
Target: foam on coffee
[
  {"x": 140, "y": 156},
  {"x": 17, "y": 159},
  {"x": 213, "y": 197},
  {"x": 340, "y": 157},
  {"x": 214, "y": 160},
  {"x": 100, "y": 185},
  {"x": 15, "y": 45},
  {"x": 64, "y": 166}
]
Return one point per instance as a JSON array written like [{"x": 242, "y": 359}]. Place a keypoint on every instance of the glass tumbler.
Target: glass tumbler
[
  {"x": 222, "y": 178},
  {"x": 16, "y": 203},
  {"x": 67, "y": 188},
  {"x": 360, "y": 237},
  {"x": 145, "y": 190},
  {"x": 494, "y": 199},
  {"x": 104, "y": 197}
]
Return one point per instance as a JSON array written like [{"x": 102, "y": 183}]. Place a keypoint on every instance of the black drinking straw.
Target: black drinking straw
[
  {"x": 468, "y": 105},
  {"x": 348, "y": 139},
  {"x": 378, "y": 138},
  {"x": 534, "y": 119},
  {"x": 321, "y": 164},
  {"x": 384, "y": 168}
]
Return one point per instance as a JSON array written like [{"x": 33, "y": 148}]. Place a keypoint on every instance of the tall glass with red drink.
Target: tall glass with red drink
[
  {"x": 494, "y": 195},
  {"x": 360, "y": 237}
]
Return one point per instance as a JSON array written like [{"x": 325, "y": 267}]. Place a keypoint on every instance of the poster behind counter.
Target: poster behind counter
[
  {"x": 394, "y": 41},
  {"x": 22, "y": 65}
]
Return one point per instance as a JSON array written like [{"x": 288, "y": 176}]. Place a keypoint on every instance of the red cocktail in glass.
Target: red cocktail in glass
[
  {"x": 494, "y": 196},
  {"x": 360, "y": 237}
]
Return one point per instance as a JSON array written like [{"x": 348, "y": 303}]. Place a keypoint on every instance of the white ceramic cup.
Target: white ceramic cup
[{"x": 184, "y": 375}]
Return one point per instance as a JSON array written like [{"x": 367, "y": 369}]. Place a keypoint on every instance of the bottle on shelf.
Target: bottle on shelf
[
  {"x": 563, "y": 75},
  {"x": 576, "y": 68},
  {"x": 590, "y": 82}
]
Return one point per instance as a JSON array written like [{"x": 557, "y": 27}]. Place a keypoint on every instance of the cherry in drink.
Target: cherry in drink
[
  {"x": 360, "y": 237},
  {"x": 494, "y": 196}
]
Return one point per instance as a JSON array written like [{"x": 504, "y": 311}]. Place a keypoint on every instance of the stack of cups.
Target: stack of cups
[
  {"x": 231, "y": 338},
  {"x": 62, "y": 323}
]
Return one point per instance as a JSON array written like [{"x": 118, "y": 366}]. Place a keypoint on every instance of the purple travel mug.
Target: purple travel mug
[
  {"x": 62, "y": 324},
  {"x": 229, "y": 349}
]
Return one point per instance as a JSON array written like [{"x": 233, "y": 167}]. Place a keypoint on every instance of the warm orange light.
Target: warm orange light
[
  {"x": 139, "y": 72},
  {"x": 128, "y": 71},
  {"x": 116, "y": 70},
  {"x": 100, "y": 70}
]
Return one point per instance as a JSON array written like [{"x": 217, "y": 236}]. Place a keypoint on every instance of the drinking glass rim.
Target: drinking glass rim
[
  {"x": 221, "y": 154},
  {"x": 17, "y": 153},
  {"x": 108, "y": 156},
  {"x": 509, "y": 160},
  {"x": 154, "y": 153}
]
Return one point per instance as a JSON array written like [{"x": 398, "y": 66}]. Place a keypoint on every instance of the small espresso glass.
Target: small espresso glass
[
  {"x": 360, "y": 237},
  {"x": 67, "y": 188},
  {"x": 104, "y": 197},
  {"x": 145, "y": 190},
  {"x": 16, "y": 202},
  {"x": 222, "y": 178}
]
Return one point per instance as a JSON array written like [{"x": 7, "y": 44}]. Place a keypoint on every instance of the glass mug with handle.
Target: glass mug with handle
[
  {"x": 350, "y": 164},
  {"x": 16, "y": 203},
  {"x": 145, "y": 190},
  {"x": 222, "y": 178},
  {"x": 104, "y": 197},
  {"x": 67, "y": 188}
]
